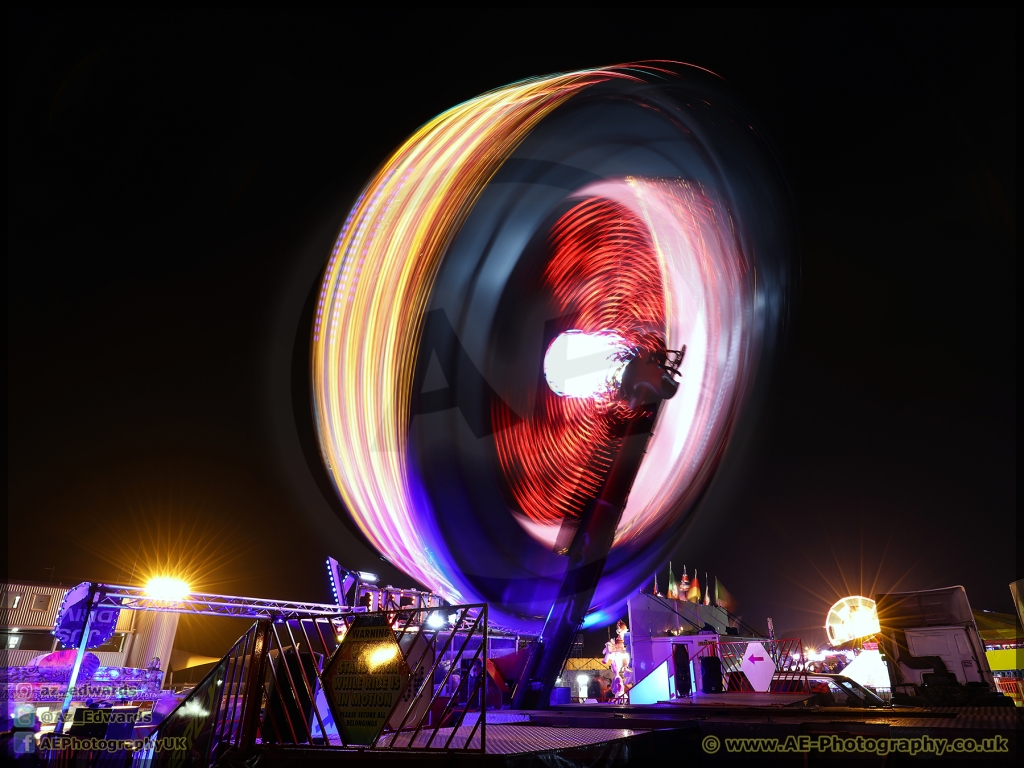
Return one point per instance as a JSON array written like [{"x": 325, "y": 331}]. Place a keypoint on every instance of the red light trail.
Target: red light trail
[{"x": 602, "y": 275}]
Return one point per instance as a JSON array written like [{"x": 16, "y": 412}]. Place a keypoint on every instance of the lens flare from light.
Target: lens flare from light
[
  {"x": 581, "y": 364},
  {"x": 851, "y": 618},
  {"x": 167, "y": 588}
]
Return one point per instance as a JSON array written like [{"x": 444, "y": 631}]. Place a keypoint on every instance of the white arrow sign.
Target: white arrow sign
[{"x": 758, "y": 667}]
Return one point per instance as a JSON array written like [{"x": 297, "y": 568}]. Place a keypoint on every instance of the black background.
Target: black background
[{"x": 175, "y": 182}]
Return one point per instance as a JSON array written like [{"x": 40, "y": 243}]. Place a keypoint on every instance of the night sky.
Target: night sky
[{"x": 175, "y": 182}]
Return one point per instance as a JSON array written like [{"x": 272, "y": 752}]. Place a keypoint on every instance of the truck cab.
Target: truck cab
[{"x": 932, "y": 649}]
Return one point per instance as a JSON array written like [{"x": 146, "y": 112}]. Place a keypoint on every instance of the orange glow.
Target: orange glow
[
  {"x": 167, "y": 588},
  {"x": 851, "y": 618}
]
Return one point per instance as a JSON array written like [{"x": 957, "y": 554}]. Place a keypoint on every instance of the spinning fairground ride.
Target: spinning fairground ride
[{"x": 536, "y": 334}]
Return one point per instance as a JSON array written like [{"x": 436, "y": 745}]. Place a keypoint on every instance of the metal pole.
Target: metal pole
[
  {"x": 83, "y": 644},
  {"x": 253, "y": 702}
]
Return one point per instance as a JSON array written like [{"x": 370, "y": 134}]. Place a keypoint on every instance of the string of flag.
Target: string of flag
[{"x": 689, "y": 589}]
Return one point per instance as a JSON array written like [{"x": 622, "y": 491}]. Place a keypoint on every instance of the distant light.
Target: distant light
[
  {"x": 851, "y": 618},
  {"x": 581, "y": 681},
  {"x": 579, "y": 364},
  {"x": 15, "y": 629},
  {"x": 167, "y": 588},
  {"x": 367, "y": 576},
  {"x": 452, "y": 618},
  {"x": 435, "y": 620}
]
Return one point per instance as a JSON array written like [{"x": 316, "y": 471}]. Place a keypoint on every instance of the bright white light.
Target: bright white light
[
  {"x": 581, "y": 681},
  {"x": 167, "y": 588},
  {"x": 370, "y": 578},
  {"x": 435, "y": 620},
  {"x": 579, "y": 364},
  {"x": 851, "y": 618},
  {"x": 452, "y": 618},
  {"x": 868, "y": 669}
]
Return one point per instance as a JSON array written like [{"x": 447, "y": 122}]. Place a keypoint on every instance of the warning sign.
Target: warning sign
[{"x": 365, "y": 679}]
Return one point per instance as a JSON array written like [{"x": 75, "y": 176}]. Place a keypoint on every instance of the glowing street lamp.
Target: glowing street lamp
[{"x": 167, "y": 589}]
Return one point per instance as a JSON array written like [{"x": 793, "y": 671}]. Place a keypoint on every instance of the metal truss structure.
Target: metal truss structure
[{"x": 124, "y": 597}]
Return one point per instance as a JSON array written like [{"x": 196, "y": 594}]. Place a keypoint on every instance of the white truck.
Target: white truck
[{"x": 935, "y": 657}]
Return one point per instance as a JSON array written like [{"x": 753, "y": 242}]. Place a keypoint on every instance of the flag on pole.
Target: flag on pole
[
  {"x": 707, "y": 589},
  {"x": 655, "y": 585},
  {"x": 684, "y": 585},
  {"x": 672, "y": 590},
  {"x": 693, "y": 593},
  {"x": 723, "y": 599}
]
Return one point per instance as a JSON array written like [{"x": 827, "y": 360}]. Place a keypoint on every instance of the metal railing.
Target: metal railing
[
  {"x": 787, "y": 655},
  {"x": 283, "y": 684},
  {"x": 1012, "y": 687},
  {"x": 278, "y": 687}
]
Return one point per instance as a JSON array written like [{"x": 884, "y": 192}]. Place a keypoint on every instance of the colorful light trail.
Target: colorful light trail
[
  {"x": 602, "y": 276},
  {"x": 653, "y": 259},
  {"x": 371, "y": 304}
]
